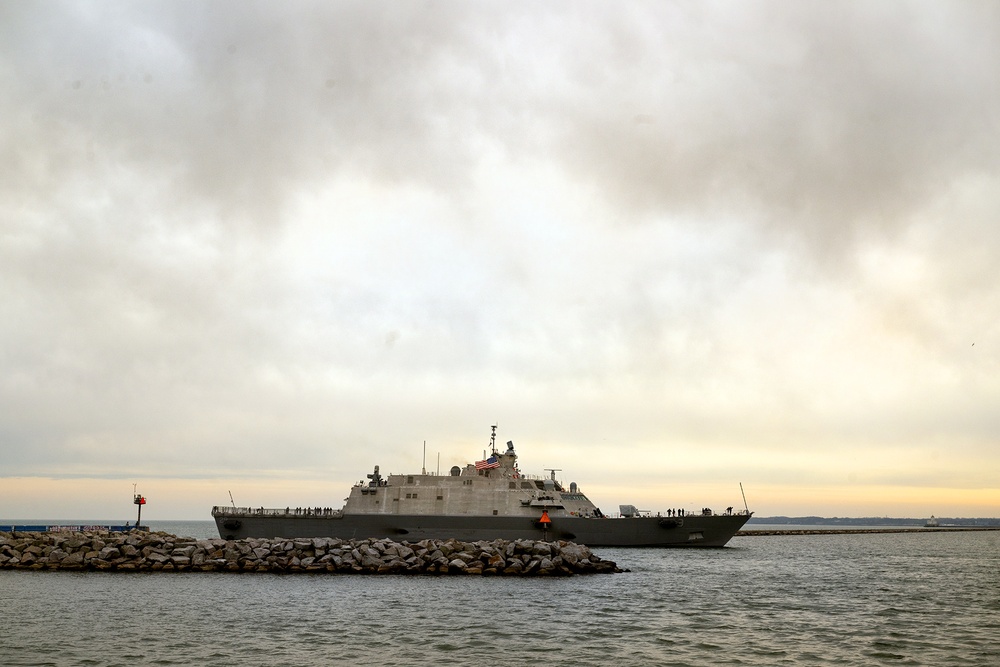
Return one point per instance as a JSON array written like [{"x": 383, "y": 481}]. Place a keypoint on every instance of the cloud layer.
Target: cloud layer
[{"x": 751, "y": 243}]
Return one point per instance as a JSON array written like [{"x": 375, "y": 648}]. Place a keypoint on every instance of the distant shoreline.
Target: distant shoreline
[
  {"x": 872, "y": 521},
  {"x": 862, "y": 531}
]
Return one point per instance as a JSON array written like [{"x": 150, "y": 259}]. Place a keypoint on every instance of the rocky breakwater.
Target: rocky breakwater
[{"x": 160, "y": 552}]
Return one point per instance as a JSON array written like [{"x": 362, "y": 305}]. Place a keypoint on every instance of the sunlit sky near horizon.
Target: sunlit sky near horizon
[{"x": 669, "y": 247}]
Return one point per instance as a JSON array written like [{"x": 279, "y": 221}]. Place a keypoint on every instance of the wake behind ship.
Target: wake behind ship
[{"x": 487, "y": 500}]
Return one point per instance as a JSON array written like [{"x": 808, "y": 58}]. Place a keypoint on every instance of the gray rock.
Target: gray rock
[
  {"x": 110, "y": 553},
  {"x": 573, "y": 553},
  {"x": 72, "y": 559}
]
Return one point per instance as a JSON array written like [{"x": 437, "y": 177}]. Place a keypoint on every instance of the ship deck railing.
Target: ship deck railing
[
  {"x": 222, "y": 510},
  {"x": 292, "y": 512},
  {"x": 687, "y": 513}
]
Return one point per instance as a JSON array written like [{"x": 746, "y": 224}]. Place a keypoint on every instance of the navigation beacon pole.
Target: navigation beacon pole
[
  {"x": 140, "y": 501},
  {"x": 545, "y": 521}
]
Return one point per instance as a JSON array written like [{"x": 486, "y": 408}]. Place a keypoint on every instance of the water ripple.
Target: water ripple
[{"x": 929, "y": 599}]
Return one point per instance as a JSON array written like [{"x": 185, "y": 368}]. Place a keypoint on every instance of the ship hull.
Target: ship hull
[{"x": 645, "y": 531}]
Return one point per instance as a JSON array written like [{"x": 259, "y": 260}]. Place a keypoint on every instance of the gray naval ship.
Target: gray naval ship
[{"x": 487, "y": 500}]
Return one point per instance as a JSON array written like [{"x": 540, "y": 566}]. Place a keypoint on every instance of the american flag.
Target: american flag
[{"x": 492, "y": 462}]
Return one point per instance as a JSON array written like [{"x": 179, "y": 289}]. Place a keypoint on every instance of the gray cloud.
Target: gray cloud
[
  {"x": 831, "y": 120},
  {"x": 830, "y": 123}
]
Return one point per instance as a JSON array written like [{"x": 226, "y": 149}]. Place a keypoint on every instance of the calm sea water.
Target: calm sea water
[{"x": 895, "y": 599}]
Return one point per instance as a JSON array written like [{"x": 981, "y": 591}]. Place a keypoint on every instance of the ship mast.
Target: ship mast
[{"x": 493, "y": 440}]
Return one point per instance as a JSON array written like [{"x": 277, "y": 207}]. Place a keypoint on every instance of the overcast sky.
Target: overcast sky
[{"x": 259, "y": 248}]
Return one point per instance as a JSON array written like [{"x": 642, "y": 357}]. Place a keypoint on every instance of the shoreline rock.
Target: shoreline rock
[{"x": 139, "y": 551}]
